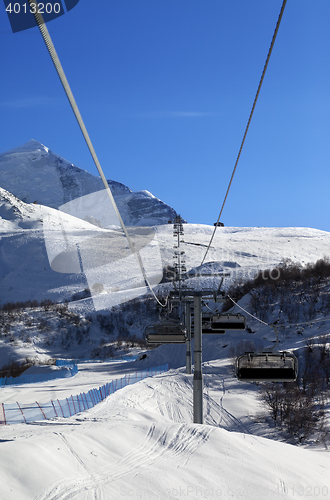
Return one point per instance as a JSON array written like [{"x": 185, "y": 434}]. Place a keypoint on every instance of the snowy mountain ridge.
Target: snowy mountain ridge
[
  {"x": 35, "y": 174},
  {"x": 26, "y": 272},
  {"x": 33, "y": 236},
  {"x": 17, "y": 216},
  {"x": 120, "y": 447}
]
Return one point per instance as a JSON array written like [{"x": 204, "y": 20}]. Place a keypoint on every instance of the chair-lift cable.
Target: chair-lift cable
[
  {"x": 248, "y": 125},
  {"x": 247, "y": 312},
  {"x": 275, "y": 326},
  {"x": 272, "y": 325},
  {"x": 53, "y": 54}
]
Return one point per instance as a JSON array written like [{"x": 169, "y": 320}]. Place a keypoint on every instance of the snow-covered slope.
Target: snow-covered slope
[
  {"x": 34, "y": 173},
  {"x": 141, "y": 443},
  {"x": 26, "y": 272}
]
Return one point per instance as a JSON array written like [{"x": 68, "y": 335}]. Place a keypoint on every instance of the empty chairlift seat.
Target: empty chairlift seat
[
  {"x": 228, "y": 322},
  {"x": 267, "y": 367},
  {"x": 207, "y": 325},
  {"x": 220, "y": 323},
  {"x": 166, "y": 333}
]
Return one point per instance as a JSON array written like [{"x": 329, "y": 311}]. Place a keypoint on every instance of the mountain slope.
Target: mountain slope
[
  {"x": 26, "y": 273},
  {"x": 33, "y": 173},
  {"x": 140, "y": 443}
]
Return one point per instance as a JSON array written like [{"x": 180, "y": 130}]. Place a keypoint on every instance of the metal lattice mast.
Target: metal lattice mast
[{"x": 180, "y": 263}]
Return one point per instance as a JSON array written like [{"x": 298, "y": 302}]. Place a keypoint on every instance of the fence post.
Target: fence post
[
  {"x": 4, "y": 415},
  {"x": 94, "y": 397},
  {"x": 61, "y": 407},
  {"x": 82, "y": 402},
  {"x": 69, "y": 407},
  {"x": 74, "y": 406},
  {"x": 54, "y": 408},
  {"x": 41, "y": 410},
  {"x": 21, "y": 411},
  {"x": 78, "y": 403}
]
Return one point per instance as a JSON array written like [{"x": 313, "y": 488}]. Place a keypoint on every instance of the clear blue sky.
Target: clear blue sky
[{"x": 166, "y": 87}]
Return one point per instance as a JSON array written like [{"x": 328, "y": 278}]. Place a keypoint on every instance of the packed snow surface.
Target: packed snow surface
[{"x": 141, "y": 443}]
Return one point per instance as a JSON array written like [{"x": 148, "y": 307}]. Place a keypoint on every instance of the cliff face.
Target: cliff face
[{"x": 34, "y": 173}]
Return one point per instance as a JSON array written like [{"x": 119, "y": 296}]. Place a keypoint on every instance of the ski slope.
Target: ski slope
[
  {"x": 25, "y": 243},
  {"x": 141, "y": 443}
]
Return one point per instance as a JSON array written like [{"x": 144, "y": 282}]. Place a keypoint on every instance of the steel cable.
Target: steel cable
[
  {"x": 53, "y": 54},
  {"x": 248, "y": 125}
]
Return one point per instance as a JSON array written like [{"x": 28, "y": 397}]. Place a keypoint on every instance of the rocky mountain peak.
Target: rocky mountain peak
[{"x": 35, "y": 174}]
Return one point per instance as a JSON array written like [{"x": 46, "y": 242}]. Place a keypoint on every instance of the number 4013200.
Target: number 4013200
[{"x": 43, "y": 8}]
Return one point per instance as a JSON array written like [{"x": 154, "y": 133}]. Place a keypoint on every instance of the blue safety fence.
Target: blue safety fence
[
  {"x": 69, "y": 362},
  {"x": 26, "y": 378},
  {"x": 15, "y": 413}
]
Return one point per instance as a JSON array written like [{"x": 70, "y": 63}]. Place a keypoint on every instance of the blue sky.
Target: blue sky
[{"x": 165, "y": 88}]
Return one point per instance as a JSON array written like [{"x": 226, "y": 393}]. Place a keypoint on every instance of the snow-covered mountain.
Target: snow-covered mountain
[
  {"x": 140, "y": 442},
  {"x": 35, "y": 174},
  {"x": 50, "y": 253},
  {"x": 28, "y": 250}
]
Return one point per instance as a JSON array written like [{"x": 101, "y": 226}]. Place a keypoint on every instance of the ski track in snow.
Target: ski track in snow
[
  {"x": 226, "y": 419},
  {"x": 173, "y": 443},
  {"x": 230, "y": 422}
]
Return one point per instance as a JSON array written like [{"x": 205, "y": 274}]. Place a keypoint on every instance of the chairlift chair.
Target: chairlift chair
[
  {"x": 228, "y": 322},
  {"x": 220, "y": 323},
  {"x": 206, "y": 324},
  {"x": 166, "y": 333},
  {"x": 267, "y": 367}
]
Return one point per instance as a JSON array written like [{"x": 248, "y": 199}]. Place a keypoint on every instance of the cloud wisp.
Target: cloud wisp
[
  {"x": 28, "y": 102},
  {"x": 174, "y": 114}
]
